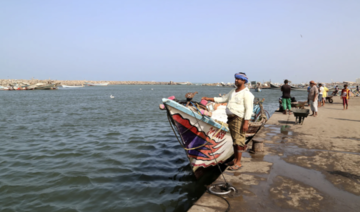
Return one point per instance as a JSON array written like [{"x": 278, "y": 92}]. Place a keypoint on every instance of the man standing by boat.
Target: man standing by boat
[
  {"x": 324, "y": 95},
  {"x": 239, "y": 110}
]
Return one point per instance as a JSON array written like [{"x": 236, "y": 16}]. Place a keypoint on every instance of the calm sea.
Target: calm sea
[{"x": 80, "y": 150}]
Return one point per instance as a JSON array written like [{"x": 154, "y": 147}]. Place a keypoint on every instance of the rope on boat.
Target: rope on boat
[{"x": 206, "y": 141}]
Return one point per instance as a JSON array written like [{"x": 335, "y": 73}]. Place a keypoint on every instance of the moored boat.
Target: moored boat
[
  {"x": 72, "y": 86},
  {"x": 206, "y": 141},
  {"x": 183, "y": 83},
  {"x": 273, "y": 86},
  {"x": 45, "y": 86},
  {"x": 99, "y": 84}
]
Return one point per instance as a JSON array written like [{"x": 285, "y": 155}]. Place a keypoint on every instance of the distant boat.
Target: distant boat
[
  {"x": 100, "y": 84},
  {"x": 183, "y": 83},
  {"x": 274, "y": 86},
  {"x": 111, "y": 96},
  {"x": 46, "y": 86},
  {"x": 258, "y": 89},
  {"x": 72, "y": 86}
]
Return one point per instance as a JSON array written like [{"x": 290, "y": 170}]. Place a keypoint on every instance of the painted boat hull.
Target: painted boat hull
[{"x": 206, "y": 145}]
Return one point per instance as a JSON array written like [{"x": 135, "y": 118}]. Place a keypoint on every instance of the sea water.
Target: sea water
[{"x": 80, "y": 150}]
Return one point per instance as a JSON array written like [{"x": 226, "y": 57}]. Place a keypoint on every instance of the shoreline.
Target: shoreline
[{"x": 81, "y": 82}]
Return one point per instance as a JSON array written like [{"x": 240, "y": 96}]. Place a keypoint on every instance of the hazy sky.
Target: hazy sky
[{"x": 180, "y": 40}]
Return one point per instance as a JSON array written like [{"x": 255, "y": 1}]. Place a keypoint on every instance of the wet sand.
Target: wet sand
[{"x": 309, "y": 167}]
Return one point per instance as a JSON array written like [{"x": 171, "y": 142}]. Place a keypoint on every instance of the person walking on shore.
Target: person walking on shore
[
  {"x": 345, "y": 96},
  {"x": 312, "y": 98},
  {"x": 320, "y": 98},
  {"x": 239, "y": 110},
  {"x": 324, "y": 95},
  {"x": 335, "y": 91},
  {"x": 286, "y": 98}
]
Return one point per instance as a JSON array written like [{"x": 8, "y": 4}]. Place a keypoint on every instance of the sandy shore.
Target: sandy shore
[{"x": 309, "y": 167}]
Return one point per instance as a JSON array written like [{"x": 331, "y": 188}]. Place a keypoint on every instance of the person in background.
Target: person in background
[
  {"x": 324, "y": 95},
  {"x": 335, "y": 91},
  {"x": 239, "y": 111},
  {"x": 281, "y": 109},
  {"x": 308, "y": 89},
  {"x": 320, "y": 98},
  {"x": 312, "y": 98},
  {"x": 345, "y": 96},
  {"x": 286, "y": 98}
]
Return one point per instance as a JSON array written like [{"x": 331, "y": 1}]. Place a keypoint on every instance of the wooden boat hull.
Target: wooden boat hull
[{"x": 205, "y": 141}]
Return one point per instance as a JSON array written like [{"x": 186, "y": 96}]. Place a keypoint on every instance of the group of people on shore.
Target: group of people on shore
[{"x": 317, "y": 94}]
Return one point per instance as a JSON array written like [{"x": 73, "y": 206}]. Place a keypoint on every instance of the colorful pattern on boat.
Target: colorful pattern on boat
[{"x": 198, "y": 137}]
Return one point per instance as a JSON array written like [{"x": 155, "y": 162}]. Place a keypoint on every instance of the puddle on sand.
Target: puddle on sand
[
  {"x": 275, "y": 130},
  {"x": 285, "y": 130},
  {"x": 312, "y": 178}
]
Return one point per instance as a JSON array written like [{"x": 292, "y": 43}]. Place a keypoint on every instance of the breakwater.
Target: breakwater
[{"x": 81, "y": 82}]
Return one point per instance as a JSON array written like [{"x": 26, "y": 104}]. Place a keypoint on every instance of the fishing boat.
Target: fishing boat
[
  {"x": 99, "y": 84},
  {"x": 258, "y": 89},
  {"x": 273, "y": 86},
  {"x": 183, "y": 83},
  {"x": 206, "y": 140},
  {"x": 46, "y": 86},
  {"x": 72, "y": 86}
]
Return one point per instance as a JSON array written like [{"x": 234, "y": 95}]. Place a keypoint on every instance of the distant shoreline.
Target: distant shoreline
[{"x": 83, "y": 82}]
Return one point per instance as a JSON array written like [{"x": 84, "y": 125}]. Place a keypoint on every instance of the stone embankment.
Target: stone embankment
[{"x": 81, "y": 82}]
